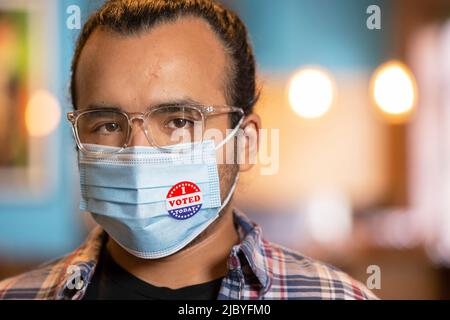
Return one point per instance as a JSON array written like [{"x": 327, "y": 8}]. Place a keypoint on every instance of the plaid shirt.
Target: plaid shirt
[{"x": 257, "y": 269}]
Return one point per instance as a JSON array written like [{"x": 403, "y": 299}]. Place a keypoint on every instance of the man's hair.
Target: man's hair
[{"x": 130, "y": 17}]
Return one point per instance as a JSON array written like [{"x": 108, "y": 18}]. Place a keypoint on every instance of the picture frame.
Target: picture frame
[{"x": 29, "y": 64}]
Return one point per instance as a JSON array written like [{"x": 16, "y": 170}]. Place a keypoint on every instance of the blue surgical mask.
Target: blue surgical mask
[{"x": 153, "y": 202}]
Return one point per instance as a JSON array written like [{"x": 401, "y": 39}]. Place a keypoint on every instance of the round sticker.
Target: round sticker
[{"x": 184, "y": 200}]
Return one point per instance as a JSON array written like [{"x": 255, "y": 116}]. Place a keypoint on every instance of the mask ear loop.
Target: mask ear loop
[
  {"x": 221, "y": 144},
  {"x": 230, "y": 193}
]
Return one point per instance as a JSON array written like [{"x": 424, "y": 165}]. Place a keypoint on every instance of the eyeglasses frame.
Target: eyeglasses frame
[{"x": 205, "y": 111}]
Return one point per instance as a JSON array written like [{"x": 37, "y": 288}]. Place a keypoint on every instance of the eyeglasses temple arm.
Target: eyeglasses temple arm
[{"x": 223, "y": 109}]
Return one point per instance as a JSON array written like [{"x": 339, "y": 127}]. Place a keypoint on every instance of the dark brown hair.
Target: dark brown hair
[{"x": 128, "y": 17}]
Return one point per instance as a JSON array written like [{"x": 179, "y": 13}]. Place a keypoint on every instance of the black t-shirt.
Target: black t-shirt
[{"x": 112, "y": 282}]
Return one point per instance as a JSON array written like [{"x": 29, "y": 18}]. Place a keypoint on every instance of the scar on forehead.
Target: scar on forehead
[{"x": 152, "y": 71}]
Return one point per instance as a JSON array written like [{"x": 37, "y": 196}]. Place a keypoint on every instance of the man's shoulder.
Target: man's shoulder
[
  {"x": 39, "y": 283},
  {"x": 53, "y": 279},
  {"x": 301, "y": 276}
]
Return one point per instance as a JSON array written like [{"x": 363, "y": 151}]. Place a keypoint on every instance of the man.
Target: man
[{"x": 147, "y": 77}]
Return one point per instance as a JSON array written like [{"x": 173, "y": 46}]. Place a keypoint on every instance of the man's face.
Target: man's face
[{"x": 171, "y": 62}]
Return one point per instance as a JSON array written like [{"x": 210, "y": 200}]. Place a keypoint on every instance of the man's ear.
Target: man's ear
[{"x": 248, "y": 142}]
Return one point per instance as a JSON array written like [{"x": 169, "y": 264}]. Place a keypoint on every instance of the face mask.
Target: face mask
[{"x": 153, "y": 202}]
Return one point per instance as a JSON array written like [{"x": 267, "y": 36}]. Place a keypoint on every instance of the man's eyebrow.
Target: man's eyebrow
[
  {"x": 169, "y": 103},
  {"x": 102, "y": 106},
  {"x": 175, "y": 102}
]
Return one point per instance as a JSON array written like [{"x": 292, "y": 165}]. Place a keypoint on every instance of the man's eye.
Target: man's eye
[
  {"x": 180, "y": 123},
  {"x": 107, "y": 128}
]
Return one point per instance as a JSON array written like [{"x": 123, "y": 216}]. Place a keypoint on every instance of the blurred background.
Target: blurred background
[{"x": 360, "y": 177}]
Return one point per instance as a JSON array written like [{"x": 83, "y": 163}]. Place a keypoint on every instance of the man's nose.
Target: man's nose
[{"x": 138, "y": 136}]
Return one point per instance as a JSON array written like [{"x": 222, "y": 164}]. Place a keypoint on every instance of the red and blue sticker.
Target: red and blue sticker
[{"x": 184, "y": 200}]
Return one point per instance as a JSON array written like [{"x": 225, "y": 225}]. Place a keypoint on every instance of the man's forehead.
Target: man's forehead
[{"x": 182, "y": 55}]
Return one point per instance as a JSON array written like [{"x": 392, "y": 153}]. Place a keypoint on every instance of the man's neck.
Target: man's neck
[{"x": 204, "y": 261}]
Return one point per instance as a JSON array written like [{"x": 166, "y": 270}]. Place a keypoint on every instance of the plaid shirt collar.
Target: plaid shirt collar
[
  {"x": 82, "y": 262},
  {"x": 252, "y": 249}
]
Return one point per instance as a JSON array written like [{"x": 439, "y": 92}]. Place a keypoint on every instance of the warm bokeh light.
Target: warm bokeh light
[
  {"x": 394, "y": 90},
  {"x": 311, "y": 93},
  {"x": 43, "y": 114}
]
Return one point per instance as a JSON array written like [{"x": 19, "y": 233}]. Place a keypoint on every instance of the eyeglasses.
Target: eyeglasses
[{"x": 163, "y": 126}]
